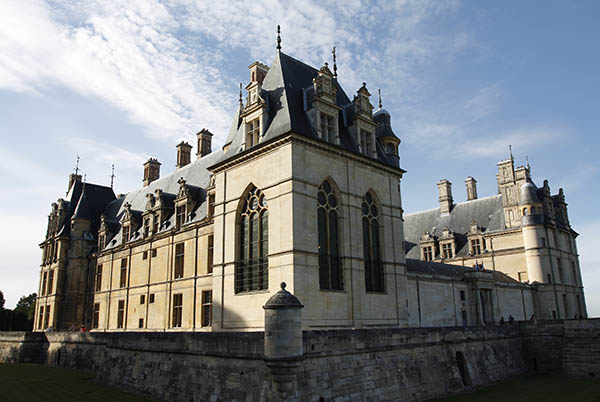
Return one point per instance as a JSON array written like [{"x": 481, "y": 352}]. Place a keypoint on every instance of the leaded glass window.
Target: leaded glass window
[
  {"x": 374, "y": 281},
  {"x": 330, "y": 269},
  {"x": 251, "y": 271}
]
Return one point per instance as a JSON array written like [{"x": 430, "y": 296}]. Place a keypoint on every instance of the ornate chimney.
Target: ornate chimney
[
  {"x": 204, "y": 143},
  {"x": 184, "y": 152},
  {"x": 471, "y": 188},
  {"x": 445, "y": 193},
  {"x": 151, "y": 171}
]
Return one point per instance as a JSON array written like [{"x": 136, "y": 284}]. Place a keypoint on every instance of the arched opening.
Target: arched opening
[
  {"x": 330, "y": 267},
  {"x": 374, "y": 275}
]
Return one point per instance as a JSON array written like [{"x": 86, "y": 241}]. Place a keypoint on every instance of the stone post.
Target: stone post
[{"x": 283, "y": 340}]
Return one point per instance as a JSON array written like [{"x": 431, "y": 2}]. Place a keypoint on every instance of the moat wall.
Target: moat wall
[{"x": 404, "y": 364}]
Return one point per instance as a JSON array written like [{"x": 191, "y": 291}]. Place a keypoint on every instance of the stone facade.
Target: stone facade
[{"x": 306, "y": 190}]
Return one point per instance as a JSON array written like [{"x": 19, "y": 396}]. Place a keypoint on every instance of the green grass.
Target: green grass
[
  {"x": 38, "y": 383},
  {"x": 535, "y": 388}
]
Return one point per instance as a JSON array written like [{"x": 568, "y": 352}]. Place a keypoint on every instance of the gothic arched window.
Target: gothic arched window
[
  {"x": 251, "y": 271},
  {"x": 371, "y": 248},
  {"x": 330, "y": 270}
]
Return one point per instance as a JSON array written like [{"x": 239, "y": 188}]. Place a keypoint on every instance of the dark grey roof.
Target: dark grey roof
[
  {"x": 528, "y": 194},
  {"x": 285, "y": 89},
  {"x": 434, "y": 269},
  {"x": 282, "y": 299},
  {"x": 486, "y": 212}
]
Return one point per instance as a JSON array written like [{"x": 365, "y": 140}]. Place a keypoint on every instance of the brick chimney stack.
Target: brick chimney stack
[
  {"x": 204, "y": 143},
  {"x": 151, "y": 171},
  {"x": 445, "y": 193},
  {"x": 184, "y": 152}
]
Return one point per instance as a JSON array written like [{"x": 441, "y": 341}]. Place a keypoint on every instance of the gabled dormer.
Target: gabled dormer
[
  {"x": 254, "y": 113},
  {"x": 103, "y": 233},
  {"x": 322, "y": 109},
  {"x": 476, "y": 240},
  {"x": 362, "y": 127},
  {"x": 129, "y": 223},
  {"x": 185, "y": 203},
  {"x": 428, "y": 244},
  {"x": 447, "y": 244}
]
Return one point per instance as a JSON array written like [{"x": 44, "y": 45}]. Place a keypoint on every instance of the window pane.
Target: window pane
[
  {"x": 366, "y": 251},
  {"x": 336, "y": 276}
]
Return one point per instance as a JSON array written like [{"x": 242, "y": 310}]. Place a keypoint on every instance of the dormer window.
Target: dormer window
[
  {"x": 447, "y": 250},
  {"x": 366, "y": 142},
  {"x": 180, "y": 216},
  {"x": 475, "y": 246},
  {"x": 427, "y": 253},
  {"x": 147, "y": 226},
  {"x": 327, "y": 128},
  {"x": 156, "y": 223},
  {"x": 252, "y": 132},
  {"x": 101, "y": 241},
  {"x": 125, "y": 234}
]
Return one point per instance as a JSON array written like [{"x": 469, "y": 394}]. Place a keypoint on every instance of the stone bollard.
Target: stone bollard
[{"x": 283, "y": 340}]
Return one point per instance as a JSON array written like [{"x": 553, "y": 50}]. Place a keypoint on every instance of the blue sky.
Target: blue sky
[{"x": 119, "y": 81}]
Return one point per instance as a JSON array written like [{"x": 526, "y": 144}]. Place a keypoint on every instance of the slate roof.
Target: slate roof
[
  {"x": 287, "y": 91},
  {"x": 449, "y": 271},
  {"x": 486, "y": 212}
]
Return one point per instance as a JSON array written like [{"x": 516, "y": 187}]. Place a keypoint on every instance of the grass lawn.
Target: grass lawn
[
  {"x": 38, "y": 383},
  {"x": 535, "y": 388}
]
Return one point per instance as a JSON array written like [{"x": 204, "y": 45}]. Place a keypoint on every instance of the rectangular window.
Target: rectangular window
[
  {"x": 560, "y": 270},
  {"x": 96, "y": 315},
  {"x": 101, "y": 242},
  {"x": 253, "y": 133},
  {"x": 428, "y": 253},
  {"x": 41, "y": 318},
  {"x": 44, "y": 282},
  {"x": 180, "y": 216},
  {"x": 177, "y": 310},
  {"x": 447, "y": 250},
  {"x": 569, "y": 243},
  {"x": 211, "y": 205},
  {"x": 123, "y": 278},
  {"x": 555, "y": 239},
  {"x": 145, "y": 255},
  {"x": 327, "y": 128},
  {"x": 98, "y": 279},
  {"x": 476, "y": 246},
  {"x": 209, "y": 264},
  {"x": 121, "y": 314},
  {"x": 141, "y": 323},
  {"x": 155, "y": 223},
  {"x": 56, "y": 251},
  {"x": 142, "y": 299},
  {"x": 151, "y": 298},
  {"x": 125, "y": 234},
  {"x": 574, "y": 273},
  {"x": 206, "y": 308},
  {"x": 366, "y": 142},
  {"x": 179, "y": 259},
  {"x": 50, "y": 281},
  {"x": 462, "y": 295},
  {"x": 47, "y": 317},
  {"x": 153, "y": 252},
  {"x": 147, "y": 227},
  {"x": 463, "y": 314}
]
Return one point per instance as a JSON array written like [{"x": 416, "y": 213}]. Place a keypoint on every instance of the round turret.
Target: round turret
[{"x": 529, "y": 194}]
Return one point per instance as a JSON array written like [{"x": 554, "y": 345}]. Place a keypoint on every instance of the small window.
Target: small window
[
  {"x": 151, "y": 298},
  {"x": 327, "y": 128},
  {"x": 121, "y": 314},
  {"x": 462, "y": 295},
  {"x": 206, "y": 308},
  {"x": 147, "y": 227},
  {"x": 44, "y": 282},
  {"x": 47, "y": 318},
  {"x": 96, "y": 316},
  {"x": 145, "y": 255},
  {"x": 252, "y": 133},
  {"x": 153, "y": 252},
  {"x": 549, "y": 278},
  {"x": 101, "y": 240},
  {"x": 50, "y": 282},
  {"x": 123, "y": 278},
  {"x": 447, "y": 250},
  {"x": 366, "y": 142},
  {"x": 125, "y": 234},
  {"x": 177, "y": 310},
  {"x": 211, "y": 205},
  {"x": 141, "y": 323},
  {"x": 155, "y": 223},
  {"x": 142, "y": 299},
  {"x": 98, "y": 285},
  {"x": 41, "y": 318},
  {"x": 427, "y": 253},
  {"x": 180, "y": 216},
  {"x": 179, "y": 260},
  {"x": 476, "y": 246}
]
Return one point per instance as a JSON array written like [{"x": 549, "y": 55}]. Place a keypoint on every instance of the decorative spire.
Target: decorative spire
[
  {"x": 380, "y": 104},
  {"x": 527, "y": 160},
  {"x": 112, "y": 175},
  {"x": 334, "y": 64},
  {"x": 510, "y": 151},
  {"x": 77, "y": 166},
  {"x": 278, "y": 38},
  {"x": 241, "y": 102}
]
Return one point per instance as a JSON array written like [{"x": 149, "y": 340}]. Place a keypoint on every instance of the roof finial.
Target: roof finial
[
  {"x": 334, "y": 64},
  {"x": 278, "y": 38},
  {"x": 510, "y": 151},
  {"x": 241, "y": 102},
  {"x": 380, "y": 104},
  {"x": 527, "y": 160},
  {"x": 112, "y": 175},
  {"x": 77, "y": 166}
]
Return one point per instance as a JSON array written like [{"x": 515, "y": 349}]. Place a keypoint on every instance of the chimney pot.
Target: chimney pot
[{"x": 445, "y": 196}]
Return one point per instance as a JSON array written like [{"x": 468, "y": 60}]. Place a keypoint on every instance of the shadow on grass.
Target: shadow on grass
[
  {"x": 37, "y": 383},
  {"x": 535, "y": 388}
]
